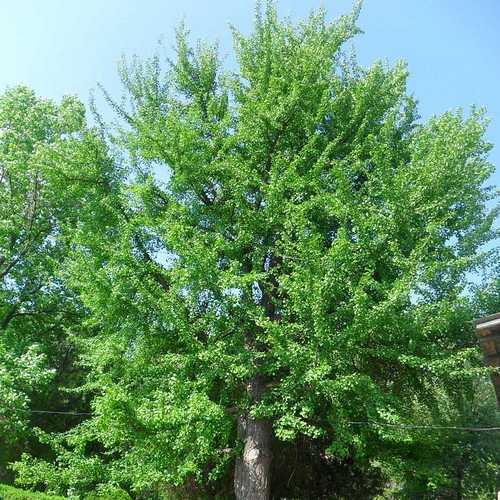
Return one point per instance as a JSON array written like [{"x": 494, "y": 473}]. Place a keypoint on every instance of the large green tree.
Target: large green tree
[{"x": 298, "y": 272}]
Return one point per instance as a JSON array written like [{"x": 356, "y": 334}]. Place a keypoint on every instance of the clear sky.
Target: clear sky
[{"x": 65, "y": 46}]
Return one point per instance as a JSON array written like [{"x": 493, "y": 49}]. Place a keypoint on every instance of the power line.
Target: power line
[
  {"x": 436, "y": 427},
  {"x": 367, "y": 423},
  {"x": 61, "y": 412}
]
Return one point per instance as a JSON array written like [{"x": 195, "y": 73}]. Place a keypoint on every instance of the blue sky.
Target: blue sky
[{"x": 452, "y": 46}]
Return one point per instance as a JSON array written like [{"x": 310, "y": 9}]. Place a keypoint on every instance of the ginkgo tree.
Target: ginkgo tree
[{"x": 297, "y": 275}]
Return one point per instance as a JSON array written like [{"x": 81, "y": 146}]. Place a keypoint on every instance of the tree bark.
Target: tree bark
[{"x": 252, "y": 475}]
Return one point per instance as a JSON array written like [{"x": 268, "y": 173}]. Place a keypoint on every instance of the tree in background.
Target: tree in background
[
  {"x": 298, "y": 275},
  {"x": 43, "y": 187}
]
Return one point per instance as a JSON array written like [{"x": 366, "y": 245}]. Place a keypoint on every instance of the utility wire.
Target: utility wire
[
  {"x": 376, "y": 424},
  {"x": 437, "y": 427},
  {"x": 60, "y": 412}
]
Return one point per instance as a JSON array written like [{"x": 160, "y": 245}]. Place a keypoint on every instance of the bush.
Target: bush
[{"x": 11, "y": 493}]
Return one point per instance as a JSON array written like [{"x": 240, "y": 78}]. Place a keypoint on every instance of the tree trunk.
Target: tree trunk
[{"x": 252, "y": 474}]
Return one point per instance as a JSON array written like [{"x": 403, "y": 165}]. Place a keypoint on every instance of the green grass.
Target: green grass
[{"x": 11, "y": 493}]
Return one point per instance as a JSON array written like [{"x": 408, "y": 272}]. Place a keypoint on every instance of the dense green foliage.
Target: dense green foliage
[
  {"x": 10, "y": 493},
  {"x": 37, "y": 311},
  {"x": 305, "y": 228}
]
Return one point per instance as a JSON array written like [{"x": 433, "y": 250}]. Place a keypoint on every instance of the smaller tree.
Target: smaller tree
[{"x": 47, "y": 164}]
